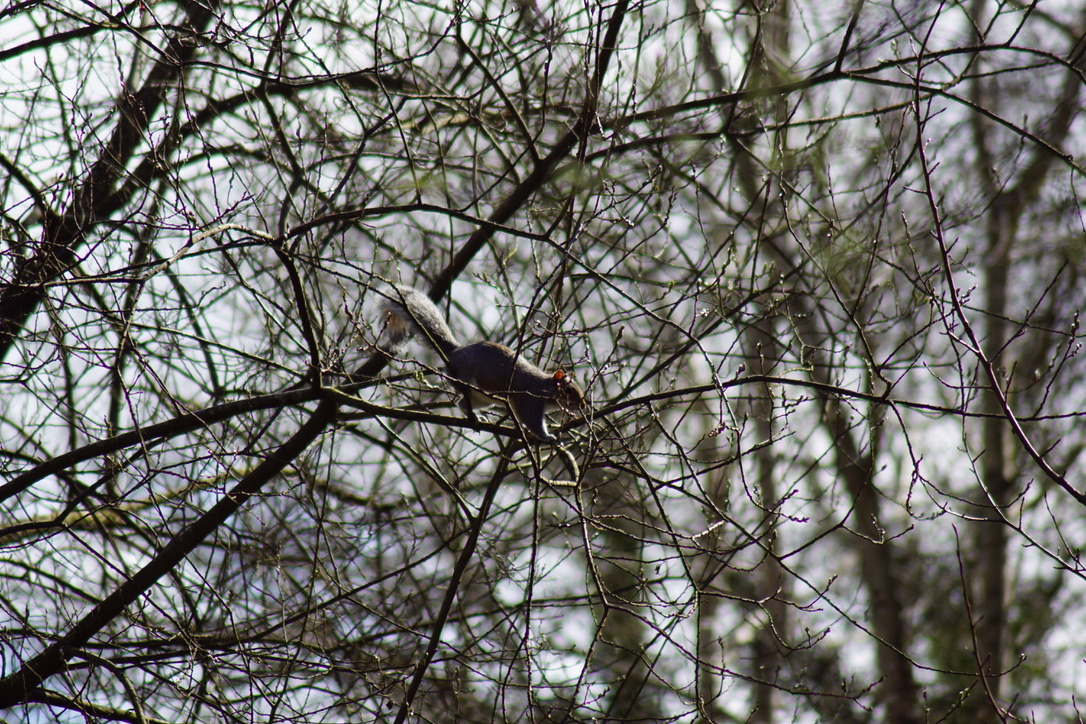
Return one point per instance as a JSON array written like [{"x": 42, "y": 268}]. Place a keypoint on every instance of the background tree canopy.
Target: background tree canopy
[{"x": 817, "y": 266}]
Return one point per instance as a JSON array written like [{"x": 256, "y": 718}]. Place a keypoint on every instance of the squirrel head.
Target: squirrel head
[{"x": 566, "y": 392}]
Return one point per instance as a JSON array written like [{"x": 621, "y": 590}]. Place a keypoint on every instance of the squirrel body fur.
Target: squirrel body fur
[{"x": 485, "y": 373}]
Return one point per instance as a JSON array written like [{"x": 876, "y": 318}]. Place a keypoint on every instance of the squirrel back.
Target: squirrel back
[{"x": 497, "y": 371}]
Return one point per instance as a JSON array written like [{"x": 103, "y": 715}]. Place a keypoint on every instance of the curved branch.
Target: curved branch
[{"x": 976, "y": 347}]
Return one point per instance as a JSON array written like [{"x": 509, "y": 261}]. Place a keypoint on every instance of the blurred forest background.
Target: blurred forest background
[{"x": 818, "y": 267}]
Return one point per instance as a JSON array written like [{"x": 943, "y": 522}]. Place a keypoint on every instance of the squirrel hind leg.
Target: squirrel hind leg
[{"x": 465, "y": 403}]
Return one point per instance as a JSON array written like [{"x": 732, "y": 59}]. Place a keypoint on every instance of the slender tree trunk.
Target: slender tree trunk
[
  {"x": 898, "y": 691},
  {"x": 990, "y": 587},
  {"x": 767, "y": 658}
]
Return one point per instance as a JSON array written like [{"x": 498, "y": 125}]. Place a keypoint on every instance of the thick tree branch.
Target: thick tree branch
[
  {"x": 95, "y": 199},
  {"x": 15, "y": 687}
]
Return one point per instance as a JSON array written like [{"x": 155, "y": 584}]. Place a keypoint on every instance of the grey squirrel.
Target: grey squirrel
[{"x": 483, "y": 372}]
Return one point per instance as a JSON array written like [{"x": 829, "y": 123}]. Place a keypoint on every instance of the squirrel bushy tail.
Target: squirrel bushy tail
[{"x": 408, "y": 313}]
